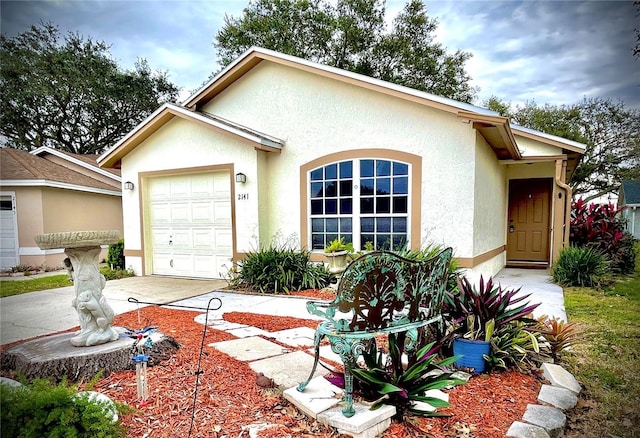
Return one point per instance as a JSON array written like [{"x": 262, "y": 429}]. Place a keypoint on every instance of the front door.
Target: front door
[{"x": 529, "y": 211}]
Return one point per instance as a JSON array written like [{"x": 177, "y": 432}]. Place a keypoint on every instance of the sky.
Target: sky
[{"x": 555, "y": 52}]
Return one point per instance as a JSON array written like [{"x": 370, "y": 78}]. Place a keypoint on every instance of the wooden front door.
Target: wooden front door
[{"x": 528, "y": 234}]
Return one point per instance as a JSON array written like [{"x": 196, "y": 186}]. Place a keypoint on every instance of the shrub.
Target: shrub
[
  {"x": 278, "y": 269},
  {"x": 584, "y": 267},
  {"x": 600, "y": 226},
  {"x": 115, "y": 274},
  {"x": 42, "y": 409},
  {"x": 115, "y": 256}
]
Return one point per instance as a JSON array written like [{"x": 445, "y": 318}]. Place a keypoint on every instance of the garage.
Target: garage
[
  {"x": 190, "y": 224},
  {"x": 8, "y": 232}
]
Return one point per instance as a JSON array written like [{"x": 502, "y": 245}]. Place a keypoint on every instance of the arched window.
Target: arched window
[{"x": 362, "y": 200}]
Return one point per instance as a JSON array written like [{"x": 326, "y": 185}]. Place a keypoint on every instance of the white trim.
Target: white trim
[
  {"x": 74, "y": 160},
  {"x": 57, "y": 185}
]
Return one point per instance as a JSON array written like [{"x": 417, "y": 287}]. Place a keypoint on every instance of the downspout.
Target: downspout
[{"x": 561, "y": 171}]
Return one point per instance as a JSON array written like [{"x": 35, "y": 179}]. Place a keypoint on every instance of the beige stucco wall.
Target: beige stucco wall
[
  {"x": 317, "y": 116},
  {"x": 49, "y": 210}
]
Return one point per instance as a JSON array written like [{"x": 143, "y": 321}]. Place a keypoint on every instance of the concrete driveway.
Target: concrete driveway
[{"x": 38, "y": 313}]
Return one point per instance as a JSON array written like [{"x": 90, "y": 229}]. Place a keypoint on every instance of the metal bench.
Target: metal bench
[{"x": 379, "y": 293}]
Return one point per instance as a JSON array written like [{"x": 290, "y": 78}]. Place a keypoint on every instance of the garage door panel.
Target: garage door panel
[
  {"x": 222, "y": 211},
  {"x": 195, "y": 216}
]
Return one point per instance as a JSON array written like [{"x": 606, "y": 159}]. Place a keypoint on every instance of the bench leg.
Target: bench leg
[
  {"x": 349, "y": 351},
  {"x": 316, "y": 342}
]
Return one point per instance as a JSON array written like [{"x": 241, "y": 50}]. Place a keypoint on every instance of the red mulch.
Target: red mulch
[{"x": 229, "y": 399}]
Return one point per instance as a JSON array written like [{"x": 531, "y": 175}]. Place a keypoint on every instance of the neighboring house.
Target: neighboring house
[
  {"x": 629, "y": 197},
  {"x": 47, "y": 191},
  {"x": 277, "y": 145}
]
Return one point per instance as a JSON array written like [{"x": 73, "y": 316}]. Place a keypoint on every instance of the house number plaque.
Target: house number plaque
[{"x": 243, "y": 196}]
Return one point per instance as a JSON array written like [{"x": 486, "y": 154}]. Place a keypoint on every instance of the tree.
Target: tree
[
  {"x": 351, "y": 35},
  {"x": 610, "y": 131},
  {"x": 72, "y": 96}
]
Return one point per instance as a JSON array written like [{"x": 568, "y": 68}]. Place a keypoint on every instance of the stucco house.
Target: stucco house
[
  {"x": 275, "y": 144},
  {"x": 48, "y": 191},
  {"x": 629, "y": 197}
]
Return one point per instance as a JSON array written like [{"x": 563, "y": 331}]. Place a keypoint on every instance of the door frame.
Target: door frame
[
  {"x": 540, "y": 183},
  {"x": 16, "y": 237}
]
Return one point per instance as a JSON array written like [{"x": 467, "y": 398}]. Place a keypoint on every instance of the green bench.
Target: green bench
[{"x": 379, "y": 293}]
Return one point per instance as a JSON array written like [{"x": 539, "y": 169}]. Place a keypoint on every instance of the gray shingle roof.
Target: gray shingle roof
[{"x": 631, "y": 190}]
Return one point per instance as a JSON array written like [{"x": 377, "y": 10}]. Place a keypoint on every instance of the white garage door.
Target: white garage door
[
  {"x": 190, "y": 218},
  {"x": 8, "y": 233}
]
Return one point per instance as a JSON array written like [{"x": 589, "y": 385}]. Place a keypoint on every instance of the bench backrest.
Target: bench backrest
[{"x": 381, "y": 289}]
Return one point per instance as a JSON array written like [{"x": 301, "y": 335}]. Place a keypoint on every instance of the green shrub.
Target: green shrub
[
  {"x": 41, "y": 409},
  {"x": 600, "y": 226},
  {"x": 585, "y": 267},
  {"x": 115, "y": 256},
  {"x": 279, "y": 269},
  {"x": 116, "y": 274}
]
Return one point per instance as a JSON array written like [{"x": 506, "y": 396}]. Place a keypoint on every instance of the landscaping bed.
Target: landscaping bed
[{"x": 229, "y": 400}]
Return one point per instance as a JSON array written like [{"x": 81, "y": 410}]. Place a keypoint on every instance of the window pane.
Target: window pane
[
  {"x": 329, "y": 238},
  {"x": 348, "y": 238},
  {"x": 346, "y": 187},
  {"x": 366, "y": 168},
  {"x": 400, "y": 169},
  {"x": 316, "y": 190},
  {"x": 316, "y": 175},
  {"x": 332, "y": 225},
  {"x": 330, "y": 189},
  {"x": 331, "y": 171},
  {"x": 383, "y": 225},
  {"x": 399, "y": 204},
  {"x": 384, "y": 241},
  {"x": 331, "y": 206},
  {"x": 317, "y": 225},
  {"x": 383, "y": 205},
  {"x": 317, "y": 241},
  {"x": 6, "y": 205},
  {"x": 401, "y": 185},
  {"x": 399, "y": 225},
  {"x": 316, "y": 206},
  {"x": 399, "y": 241},
  {"x": 366, "y": 205},
  {"x": 366, "y": 224},
  {"x": 345, "y": 225},
  {"x": 364, "y": 238},
  {"x": 346, "y": 169},
  {"x": 346, "y": 206},
  {"x": 383, "y": 168},
  {"x": 383, "y": 186},
  {"x": 366, "y": 187}
]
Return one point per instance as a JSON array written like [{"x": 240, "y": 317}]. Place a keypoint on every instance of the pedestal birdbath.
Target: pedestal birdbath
[{"x": 94, "y": 313}]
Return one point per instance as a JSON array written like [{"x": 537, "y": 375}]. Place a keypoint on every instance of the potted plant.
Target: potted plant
[
  {"x": 475, "y": 314},
  {"x": 337, "y": 253}
]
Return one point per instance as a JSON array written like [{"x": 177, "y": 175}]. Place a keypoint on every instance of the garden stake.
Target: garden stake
[
  {"x": 143, "y": 340},
  {"x": 204, "y": 334}
]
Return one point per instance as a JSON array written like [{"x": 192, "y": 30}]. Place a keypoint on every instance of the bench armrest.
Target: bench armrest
[{"x": 324, "y": 309}]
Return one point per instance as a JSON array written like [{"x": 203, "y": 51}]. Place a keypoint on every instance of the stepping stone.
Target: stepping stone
[
  {"x": 287, "y": 369},
  {"x": 524, "y": 430},
  {"x": 318, "y": 396},
  {"x": 558, "y": 397},
  {"x": 296, "y": 337},
  {"x": 558, "y": 376},
  {"x": 246, "y": 332},
  {"x": 551, "y": 419},
  {"x": 364, "y": 424},
  {"x": 218, "y": 324},
  {"x": 249, "y": 349}
]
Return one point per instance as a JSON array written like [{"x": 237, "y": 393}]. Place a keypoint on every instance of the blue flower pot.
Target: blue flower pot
[{"x": 471, "y": 352}]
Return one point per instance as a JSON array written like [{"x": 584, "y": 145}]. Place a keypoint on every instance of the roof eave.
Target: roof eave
[{"x": 496, "y": 131}]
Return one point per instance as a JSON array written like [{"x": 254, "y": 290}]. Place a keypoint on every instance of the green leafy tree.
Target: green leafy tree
[
  {"x": 610, "y": 131},
  {"x": 69, "y": 94},
  {"x": 351, "y": 35}
]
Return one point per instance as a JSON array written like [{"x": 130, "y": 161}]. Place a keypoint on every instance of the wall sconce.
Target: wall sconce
[
  {"x": 128, "y": 185},
  {"x": 241, "y": 178}
]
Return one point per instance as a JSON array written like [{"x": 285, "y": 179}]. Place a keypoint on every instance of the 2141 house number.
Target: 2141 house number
[{"x": 243, "y": 196}]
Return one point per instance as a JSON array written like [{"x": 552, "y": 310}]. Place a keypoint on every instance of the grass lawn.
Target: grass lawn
[
  {"x": 607, "y": 359},
  {"x": 16, "y": 287}
]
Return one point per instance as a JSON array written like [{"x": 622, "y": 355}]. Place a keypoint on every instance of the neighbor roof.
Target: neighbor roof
[
  {"x": 20, "y": 168},
  {"x": 631, "y": 192},
  {"x": 88, "y": 161}
]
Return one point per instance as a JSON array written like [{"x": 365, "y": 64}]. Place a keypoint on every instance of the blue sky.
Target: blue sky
[{"x": 555, "y": 52}]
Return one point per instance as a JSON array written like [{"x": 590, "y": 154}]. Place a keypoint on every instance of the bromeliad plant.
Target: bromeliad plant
[
  {"x": 390, "y": 381},
  {"x": 557, "y": 335}
]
